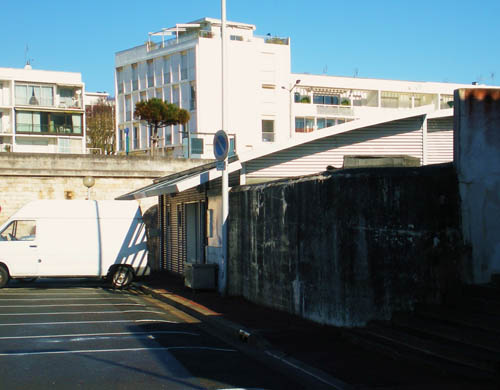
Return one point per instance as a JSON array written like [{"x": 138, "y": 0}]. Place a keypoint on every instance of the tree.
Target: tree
[
  {"x": 100, "y": 119},
  {"x": 158, "y": 113}
]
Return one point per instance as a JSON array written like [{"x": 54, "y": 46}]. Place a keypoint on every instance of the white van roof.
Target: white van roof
[{"x": 79, "y": 209}]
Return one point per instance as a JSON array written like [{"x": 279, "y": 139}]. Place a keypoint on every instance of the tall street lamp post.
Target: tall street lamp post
[{"x": 290, "y": 105}]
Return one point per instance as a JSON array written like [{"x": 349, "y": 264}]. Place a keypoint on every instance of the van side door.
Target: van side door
[{"x": 19, "y": 248}]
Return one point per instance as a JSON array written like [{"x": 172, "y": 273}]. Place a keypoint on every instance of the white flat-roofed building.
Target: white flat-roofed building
[
  {"x": 266, "y": 103},
  {"x": 41, "y": 111}
]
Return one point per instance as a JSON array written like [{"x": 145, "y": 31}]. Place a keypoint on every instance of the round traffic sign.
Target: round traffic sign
[{"x": 221, "y": 145}]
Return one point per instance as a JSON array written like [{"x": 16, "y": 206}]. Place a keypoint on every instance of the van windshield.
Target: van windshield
[{"x": 19, "y": 231}]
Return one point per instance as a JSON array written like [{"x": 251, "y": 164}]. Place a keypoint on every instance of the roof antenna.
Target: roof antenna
[{"x": 27, "y": 60}]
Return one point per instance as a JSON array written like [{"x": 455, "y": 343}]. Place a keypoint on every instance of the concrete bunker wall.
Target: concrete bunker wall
[{"x": 346, "y": 247}]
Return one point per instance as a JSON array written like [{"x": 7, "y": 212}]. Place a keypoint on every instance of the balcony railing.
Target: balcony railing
[
  {"x": 69, "y": 103},
  {"x": 334, "y": 110}
]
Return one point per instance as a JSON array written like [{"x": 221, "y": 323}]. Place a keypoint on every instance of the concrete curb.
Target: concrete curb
[{"x": 238, "y": 332}]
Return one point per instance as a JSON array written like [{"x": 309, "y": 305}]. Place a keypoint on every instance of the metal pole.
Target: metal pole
[{"x": 225, "y": 181}]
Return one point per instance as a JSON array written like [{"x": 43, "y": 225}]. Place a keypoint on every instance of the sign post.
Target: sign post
[
  {"x": 127, "y": 144},
  {"x": 221, "y": 150}
]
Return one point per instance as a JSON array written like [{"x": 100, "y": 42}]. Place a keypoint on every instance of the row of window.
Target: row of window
[
  {"x": 369, "y": 98},
  {"x": 306, "y": 125},
  {"x": 48, "y": 122},
  {"x": 39, "y": 95},
  {"x": 154, "y": 78}
]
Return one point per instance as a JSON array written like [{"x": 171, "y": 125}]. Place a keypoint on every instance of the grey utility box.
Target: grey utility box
[{"x": 200, "y": 276}]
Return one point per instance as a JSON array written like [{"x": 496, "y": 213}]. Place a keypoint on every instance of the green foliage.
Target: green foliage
[
  {"x": 100, "y": 120},
  {"x": 158, "y": 113}
]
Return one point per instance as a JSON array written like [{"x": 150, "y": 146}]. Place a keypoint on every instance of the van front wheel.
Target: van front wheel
[
  {"x": 4, "y": 276},
  {"x": 122, "y": 277}
]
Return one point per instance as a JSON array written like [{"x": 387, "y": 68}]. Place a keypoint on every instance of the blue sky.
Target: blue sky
[{"x": 450, "y": 41}]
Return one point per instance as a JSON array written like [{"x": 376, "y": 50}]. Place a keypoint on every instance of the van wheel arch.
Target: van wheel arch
[{"x": 4, "y": 275}]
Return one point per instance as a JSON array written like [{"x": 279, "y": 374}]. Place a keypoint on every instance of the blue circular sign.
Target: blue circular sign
[{"x": 221, "y": 145}]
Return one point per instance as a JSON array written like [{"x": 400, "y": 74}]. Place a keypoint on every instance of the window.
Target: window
[
  {"x": 68, "y": 98},
  {"x": 135, "y": 138},
  {"x": 321, "y": 123},
  {"x": 304, "y": 125},
  {"x": 446, "y": 101},
  {"x": 150, "y": 73},
  {"x": 175, "y": 95},
  {"x": 135, "y": 78},
  {"x": 166, "y": 70},
  {"x": 196, "y": 146},
  {"x": 128, "y": 112},
  {"x": 19, "y": 231},
  {"x": 236, "y": 38},
  {"x": 184, "y": 66},
  {"x": 119, "y": 80},
  {"x": 120, "y": 139},
  {"x": 326, "y": 99},
  {"x": 45, "y": 122},
  {"x": 168, "y": 135},
  {"x": 300, "y": 98},
  {"x": 34, "y": 95},
  {"x": 267, "y": 130},
  {"x": 192, "y": 100}
]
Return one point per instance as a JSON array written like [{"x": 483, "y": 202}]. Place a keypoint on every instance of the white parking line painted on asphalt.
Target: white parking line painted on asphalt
[
  {"x": 75, "y": 305},
  {"x": 90, "y": 322},
  {"x": 333, "y": 382},
  {"x": 114, "y": 350},
  {"x": 80, "y": 313},
  {"x": 84, "y": 335}
]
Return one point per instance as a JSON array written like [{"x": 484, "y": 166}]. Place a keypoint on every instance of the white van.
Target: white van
[{"x": 74, "y": 238}]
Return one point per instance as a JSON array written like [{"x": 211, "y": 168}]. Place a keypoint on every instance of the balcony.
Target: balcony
[
  {"x": 277, "y": 40},
  {"x": 67, "y": 102}
]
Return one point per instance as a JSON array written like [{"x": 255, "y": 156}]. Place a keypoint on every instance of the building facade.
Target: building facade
[
  {"x": 266, "y": 103},
  {"x": 41, "y": 111}
]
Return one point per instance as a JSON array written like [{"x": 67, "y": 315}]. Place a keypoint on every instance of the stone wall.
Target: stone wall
[
  {"x": 25, "y": 177},
  {"x": 345, "y": 247},
  {"x": 477, "y": 157}
]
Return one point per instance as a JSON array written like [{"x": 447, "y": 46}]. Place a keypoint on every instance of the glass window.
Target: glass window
[
  {"x": 166, "y": 70},
  {"x": 21, "y": 94},
  {"x": 175, "y": 95},
  {"x": 77, "y": 124},
  {"x": 184, "y": 70},
  {"x": 268, "y": 130},
  {"x": 19, "y": 231},
  {"x": 299, "y": 124},
  {"x": 321, "y": 123},
  {"x": 318, "y": 99},
  {"x": 196, "y": 145},
  {"x": 135, "y": 138}
]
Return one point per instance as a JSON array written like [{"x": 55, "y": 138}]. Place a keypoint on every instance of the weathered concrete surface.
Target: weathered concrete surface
[
  {"x": 346, "y": 247},
  {"x": 477, "y": 158}
]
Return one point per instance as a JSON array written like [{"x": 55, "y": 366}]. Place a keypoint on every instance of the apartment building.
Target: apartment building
[
  {"x": 267, "y": 104},
  {"x": 182, "y": 65},
  {"x": 41, "y": 111}
]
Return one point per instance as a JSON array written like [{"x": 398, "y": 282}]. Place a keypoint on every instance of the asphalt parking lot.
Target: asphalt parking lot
[{"x": 58, "y": 334}]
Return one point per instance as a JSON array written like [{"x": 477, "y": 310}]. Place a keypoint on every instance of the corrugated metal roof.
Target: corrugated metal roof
[{"x": 181, "y": 181}]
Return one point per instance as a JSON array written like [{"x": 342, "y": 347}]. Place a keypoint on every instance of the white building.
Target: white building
[
  {"x": 266, "y": 102},
  {"x": 41, "y": 111}
]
